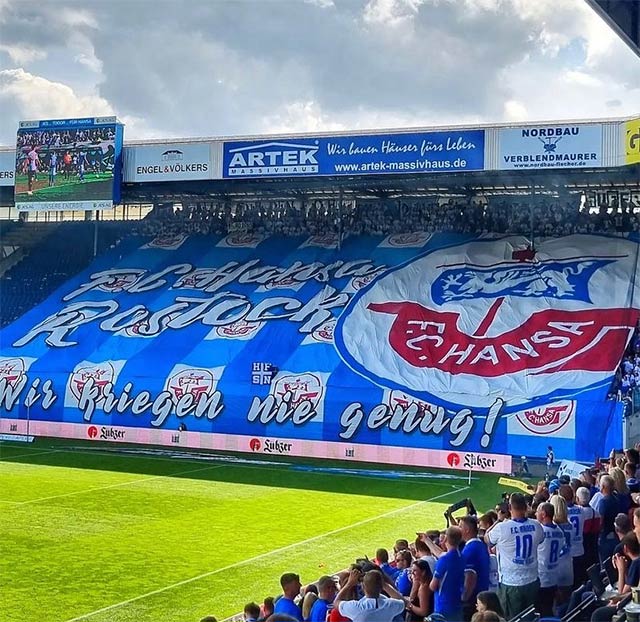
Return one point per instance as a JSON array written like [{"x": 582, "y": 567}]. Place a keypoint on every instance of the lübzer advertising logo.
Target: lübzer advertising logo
[
  {"x": 273, "y": 158},
  {"x": 453, "y": 460},
  {"x": 106, "y": 433},
  {"x": 487, "y": 320},
  {"x": 255, "y": 444},
  {"x": 270, "y": 446}
]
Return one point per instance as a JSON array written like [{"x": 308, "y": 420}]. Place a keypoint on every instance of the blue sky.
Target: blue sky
[{"x": 179, "y": 68}]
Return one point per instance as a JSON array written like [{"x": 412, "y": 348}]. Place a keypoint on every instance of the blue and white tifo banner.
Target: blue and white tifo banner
[
  {"x": 426, "y": 152},
  {"x": 457, "y": 345}
]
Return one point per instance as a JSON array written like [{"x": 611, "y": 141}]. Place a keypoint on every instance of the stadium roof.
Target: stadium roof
[{"x": 623, "y": 16}]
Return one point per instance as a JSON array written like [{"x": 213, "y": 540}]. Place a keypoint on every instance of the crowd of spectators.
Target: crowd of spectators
[
  {"x": 569, "y": 545},
  {"x": 538, "y": 216},
  {"x": 64, "y": 138}
]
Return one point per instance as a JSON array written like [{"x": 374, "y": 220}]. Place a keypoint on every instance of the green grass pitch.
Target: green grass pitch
[{"x": 113, "y": 537}]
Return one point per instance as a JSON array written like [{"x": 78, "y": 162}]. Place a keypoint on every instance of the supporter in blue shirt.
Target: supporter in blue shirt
[
  {"x": 327, "y": 591},
  {"x": 608, "y": 509},
  {"x": 291, "y": 585},
  {"x": 382, "y": 559},
  {"x": 251, "y": 612},
  {"x": 476, "y": 563},
  {"x": 403, "y": 578},
  {"x": 448, "y": 580}
]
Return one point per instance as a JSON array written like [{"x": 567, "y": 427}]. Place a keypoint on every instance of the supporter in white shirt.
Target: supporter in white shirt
[
  {"x": 373, "y": 606},
  {"x": 576, "y": 515},
  {"x": 516, "y": 541},
  {"x": 565, "y": 564},
  {"x": 548, "y": 558}
]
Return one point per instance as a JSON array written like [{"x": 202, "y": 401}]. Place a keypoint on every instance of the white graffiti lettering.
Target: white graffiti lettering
[
  {"x": 220, "y": 310},
  {"x": 431, "y": 420}
]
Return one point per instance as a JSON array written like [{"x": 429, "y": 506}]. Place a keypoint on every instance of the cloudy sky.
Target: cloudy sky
[{"x": 178, "y": 68}]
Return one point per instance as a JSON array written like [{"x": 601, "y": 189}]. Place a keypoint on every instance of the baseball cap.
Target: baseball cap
[{"x": 554, "y": 486}]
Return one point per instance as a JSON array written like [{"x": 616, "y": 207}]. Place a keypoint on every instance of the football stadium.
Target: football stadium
[{"x": 344, "y": 376}]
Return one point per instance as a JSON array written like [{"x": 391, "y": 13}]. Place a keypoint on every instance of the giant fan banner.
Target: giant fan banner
[{"x": 436, "y": 350}]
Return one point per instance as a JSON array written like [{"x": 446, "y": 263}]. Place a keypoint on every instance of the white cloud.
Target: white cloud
[
  {"x": 515, "y": 110},
  {"x": 36, "y": 97},
  {"x": 23, "y": 54},
  {"x": 224, "y": 68}
]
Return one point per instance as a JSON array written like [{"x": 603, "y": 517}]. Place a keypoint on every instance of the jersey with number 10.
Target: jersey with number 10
[{"x": 517, "y": 544}]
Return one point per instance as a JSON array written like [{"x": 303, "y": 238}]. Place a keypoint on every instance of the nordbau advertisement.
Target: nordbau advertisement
[
  {"x": 550, "y": 146},
  {"x": 376, "y": 154},
  {"x": 68, "y": 164},
  {"x": 429, "y": 349}
]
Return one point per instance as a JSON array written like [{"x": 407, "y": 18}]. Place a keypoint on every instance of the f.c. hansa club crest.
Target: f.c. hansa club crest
[{"x": 491, "y": 319}]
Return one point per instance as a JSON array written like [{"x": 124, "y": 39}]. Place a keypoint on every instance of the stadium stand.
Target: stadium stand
[
  {"x": 50, "y": 263},
  {"x": 465, "y": 552}
]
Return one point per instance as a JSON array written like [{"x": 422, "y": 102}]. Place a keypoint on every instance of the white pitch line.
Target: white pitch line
[
  {"x": 263, "y": 555},
  {"x": 129, "y": 483}
]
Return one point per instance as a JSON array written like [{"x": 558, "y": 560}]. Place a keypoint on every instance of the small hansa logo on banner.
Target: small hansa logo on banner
[
  {"x": 328, "y": 240},
  {"x": 322, "y": 334},
  {"x": 359, "y": 282},
  {"x": 285, "y": 283},
  {"x": 557, "y": 420},
  {"x": 13, "y": 370},
  {"x": 404, "y": 400},
  {"x": 240, "y": 330},
  {"x": 197, "y": 382},
  {"x": 90, "y": 380},
  {"x": 166, "y": 242},
  {"x": 240, "y": 239},
  {"x": 417, "y": 239},
  {"x": 294, "y": 389}
]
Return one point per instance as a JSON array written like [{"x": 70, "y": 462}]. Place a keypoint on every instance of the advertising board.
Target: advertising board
[
  {"x": 632, "y": 141},
  {"x": 169, "y": 162},
  {"x": 550, "y": 146},
  {"x": 375, "y": 154},
  {"x": 7, "y": 168}
]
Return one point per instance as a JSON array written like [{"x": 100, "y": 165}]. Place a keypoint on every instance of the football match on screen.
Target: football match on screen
[{"x": 320, "y": 311}]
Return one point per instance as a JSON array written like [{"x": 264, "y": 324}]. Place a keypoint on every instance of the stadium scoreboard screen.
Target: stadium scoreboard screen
[{"x": 68, "y": 164}]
